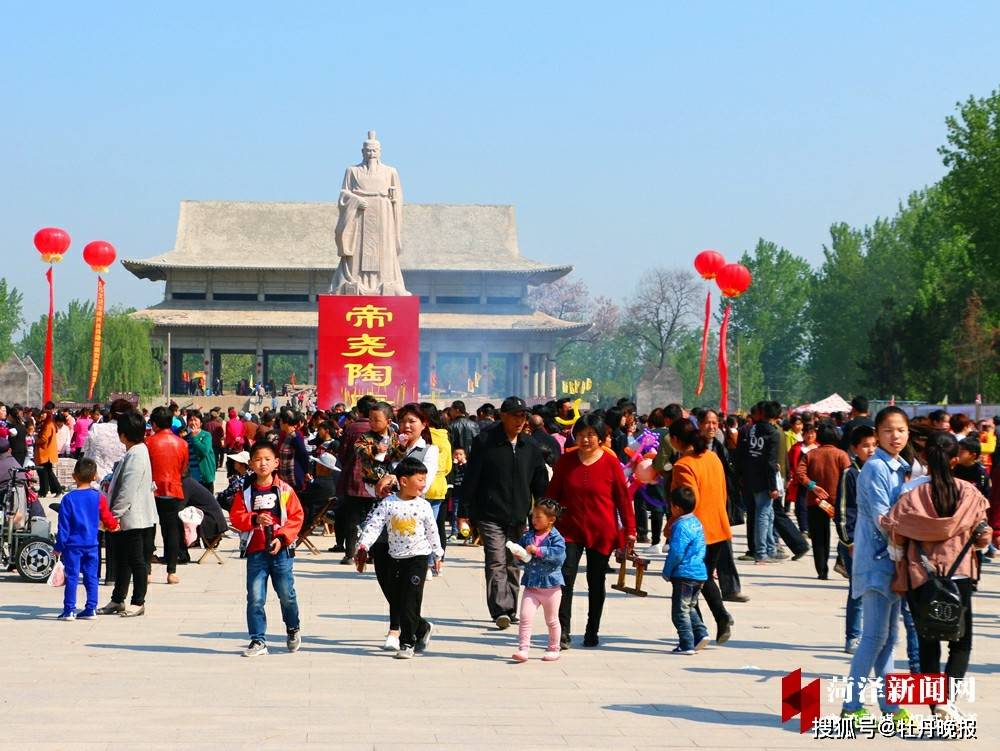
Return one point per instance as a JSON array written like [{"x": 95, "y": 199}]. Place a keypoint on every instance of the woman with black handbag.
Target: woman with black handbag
[{"x": 932, "y": 528}]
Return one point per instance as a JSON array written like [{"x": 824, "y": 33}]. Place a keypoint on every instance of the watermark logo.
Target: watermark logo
[{"x": 797, "y": 699}]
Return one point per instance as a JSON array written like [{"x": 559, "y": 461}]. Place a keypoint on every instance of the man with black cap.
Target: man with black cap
[{"x": 506, "y": 470}]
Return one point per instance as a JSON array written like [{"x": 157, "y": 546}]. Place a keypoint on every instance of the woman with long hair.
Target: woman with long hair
[
  {"x": 702, "y": 471},
  {"x": 879, "y": 485},
  {"x": 937, "y": 519}
]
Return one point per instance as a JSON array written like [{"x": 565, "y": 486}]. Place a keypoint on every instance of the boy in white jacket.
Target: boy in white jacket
[{"x": 413, "y": 535}]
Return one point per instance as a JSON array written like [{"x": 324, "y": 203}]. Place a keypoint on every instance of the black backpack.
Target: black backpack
[{"x": 938, "y": 610}]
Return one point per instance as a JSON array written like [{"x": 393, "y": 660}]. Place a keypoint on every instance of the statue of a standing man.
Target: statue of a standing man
[{"x": 369, "y": 230}]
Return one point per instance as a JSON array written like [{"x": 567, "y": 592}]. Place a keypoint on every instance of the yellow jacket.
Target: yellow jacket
[{"x": 439, "y": 483}]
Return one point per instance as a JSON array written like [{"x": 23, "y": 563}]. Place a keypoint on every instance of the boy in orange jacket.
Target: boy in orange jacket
[{"x": 269, "y": 516}]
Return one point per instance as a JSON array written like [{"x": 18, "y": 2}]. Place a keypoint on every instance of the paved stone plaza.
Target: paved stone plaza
[{"x": 174, "y": 679}]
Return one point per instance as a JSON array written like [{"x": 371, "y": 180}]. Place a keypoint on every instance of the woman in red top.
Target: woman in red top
[{"x": 590, "y": 486}]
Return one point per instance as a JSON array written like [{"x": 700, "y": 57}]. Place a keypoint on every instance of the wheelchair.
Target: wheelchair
[{"x": 26, "y": 542}]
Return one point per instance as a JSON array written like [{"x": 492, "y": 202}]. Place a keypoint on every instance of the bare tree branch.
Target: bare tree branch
[{"x": 662, "y": 309}]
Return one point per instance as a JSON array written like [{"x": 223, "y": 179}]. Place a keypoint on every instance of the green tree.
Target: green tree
[
  {"x": 972, "y": 156},
  {"x": 772, "y": 318},
  {"x": 10, "y": 317},
  {"x": 127, "y": 359},
  {"x": 839, "y": 315}
]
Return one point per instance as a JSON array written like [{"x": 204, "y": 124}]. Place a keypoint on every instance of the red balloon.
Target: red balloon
[
  {"x": 733, "y": 279},
  {"x": 52, "y": 242},
  {"x": 708, "y": 262},
  {"x": 99, "y": 255}
]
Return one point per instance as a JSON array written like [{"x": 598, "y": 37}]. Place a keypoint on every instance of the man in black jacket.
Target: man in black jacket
[
  {"x": 506, "y": 470},
  {"x": 462, "y": 429}
]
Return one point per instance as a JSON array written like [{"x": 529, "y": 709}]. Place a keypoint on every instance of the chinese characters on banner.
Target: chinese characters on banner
[{"x": 368, "y": 345}]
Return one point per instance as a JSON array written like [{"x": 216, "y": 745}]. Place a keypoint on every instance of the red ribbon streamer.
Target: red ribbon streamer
[
  {"x": 704, "y": 345},
  {"x": 724, "y": 362},
  {"x": 47, "y": 375},
  {"x": 95, "y": 352}
]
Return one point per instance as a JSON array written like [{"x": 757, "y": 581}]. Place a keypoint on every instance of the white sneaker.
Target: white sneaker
[
  {"x": 551, "y": 655},
  {"x": 405, "y": 653},
  {"x": 430, "y": 573},
  {"x": 391, "y": 643},
  {"x": 654, "y": 549},
  {"x": 949, "y": 712}
]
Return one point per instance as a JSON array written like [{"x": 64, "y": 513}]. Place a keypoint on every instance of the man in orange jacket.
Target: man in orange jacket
[{"x": 269, "y": 516}]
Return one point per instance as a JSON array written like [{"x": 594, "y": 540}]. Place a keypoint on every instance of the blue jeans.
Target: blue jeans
[
  {"x": 684, "y": 612},
  {"x": 853, "y": 603},
  {"x": 764, "y": 544},
  {"x": 880, "y": 619},
  {"x": 260, "y": 566},
  {"x": 912, "y": 640}
]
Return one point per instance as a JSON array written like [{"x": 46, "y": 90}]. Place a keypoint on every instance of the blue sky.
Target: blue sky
[{"x": 626, "y": 136}]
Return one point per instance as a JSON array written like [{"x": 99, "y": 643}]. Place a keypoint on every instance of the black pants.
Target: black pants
[
  {"x": 748, "y": 505},
  {"x": 710, "y": 590},
  {"x": 641, "y": 519},
  {"x": 355, "y": 511},
  {"x": 959, "y": 651},
  {"x": 386, "y": 572},
  {"x": 819, "y": 536},
  {"x": 788, "y": 530},
  {"x": 47, "y": 481},
  {"x": 729, "y": 577},
  {"x": 171, "y": 528},
  {"x": 408, "y": 596},
  {"x": 130, "y": 563},
  {"x": 597, "y": 567}
]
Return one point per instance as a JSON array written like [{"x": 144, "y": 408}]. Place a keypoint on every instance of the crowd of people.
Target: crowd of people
[{"x": 912, "y": 504}]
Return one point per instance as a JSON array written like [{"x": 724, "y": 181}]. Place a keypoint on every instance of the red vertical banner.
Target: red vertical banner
[
  {"x": 704, "y": 345},
  {"x": 47, "y": 365},
  {"x": 368, "y": 345},
  {"x": 95, "y": 351},
  {"x": 724, "y": 361}
]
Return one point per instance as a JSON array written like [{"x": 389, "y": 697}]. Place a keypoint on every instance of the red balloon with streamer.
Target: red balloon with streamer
[
  {"x": 733, "y": 279},
  {"x": 52, "y": 243},
  {"x": 99, "y": 255},
  {"x": 708, "y": 262}
]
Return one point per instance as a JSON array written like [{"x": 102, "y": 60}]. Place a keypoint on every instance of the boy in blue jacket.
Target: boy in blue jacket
[
  {"x": 544, "y": 552},
  {"x": 685, "y": 568},
  {"x": 863, "y": 445},
  {"x": 81, "y": 511}
]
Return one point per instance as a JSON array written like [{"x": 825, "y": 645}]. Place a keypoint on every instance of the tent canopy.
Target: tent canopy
[{"x": 833, "y": 403}]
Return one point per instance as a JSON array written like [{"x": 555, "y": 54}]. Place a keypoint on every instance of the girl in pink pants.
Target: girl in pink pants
[{"x": 542, "y": 579}]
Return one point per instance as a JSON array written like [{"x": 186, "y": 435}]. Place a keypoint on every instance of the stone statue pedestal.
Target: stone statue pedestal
[
  {"x": 658, "y": 387},
  {"x": 368, "y": 345}
]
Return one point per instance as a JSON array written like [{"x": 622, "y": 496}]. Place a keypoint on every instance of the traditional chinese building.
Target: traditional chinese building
[{"x": 243, "y": 279}]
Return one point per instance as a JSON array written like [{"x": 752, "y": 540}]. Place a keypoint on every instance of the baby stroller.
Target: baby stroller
[{"x": 26, "y": 542}]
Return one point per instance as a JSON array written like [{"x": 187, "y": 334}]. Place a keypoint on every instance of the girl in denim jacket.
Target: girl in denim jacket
[{"x": 543, "y": 579}]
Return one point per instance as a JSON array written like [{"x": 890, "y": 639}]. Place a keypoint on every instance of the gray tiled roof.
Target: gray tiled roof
[
  {"x": 167, "y": 315},
  {"x": 242, "y": 234}
]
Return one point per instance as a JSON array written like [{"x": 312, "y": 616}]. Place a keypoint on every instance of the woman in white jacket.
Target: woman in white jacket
[{"x": 132, "y": 503}]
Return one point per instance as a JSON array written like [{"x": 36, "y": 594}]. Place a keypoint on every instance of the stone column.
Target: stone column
[
  {"x": 311, "y": 366},
  {"x": 553, "y": 388},
  {"x": 432, "y": 363},
  {"x": 484, "y": 369},
  {"x": 207, "y": 363},
  {"x": 536, "y": 376},
  {"x": 525, "y": 375},
  {"x": 258, "y": 375}
]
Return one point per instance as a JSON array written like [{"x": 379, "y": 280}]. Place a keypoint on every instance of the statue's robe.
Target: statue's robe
[{"x": 369, "y": 242}]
